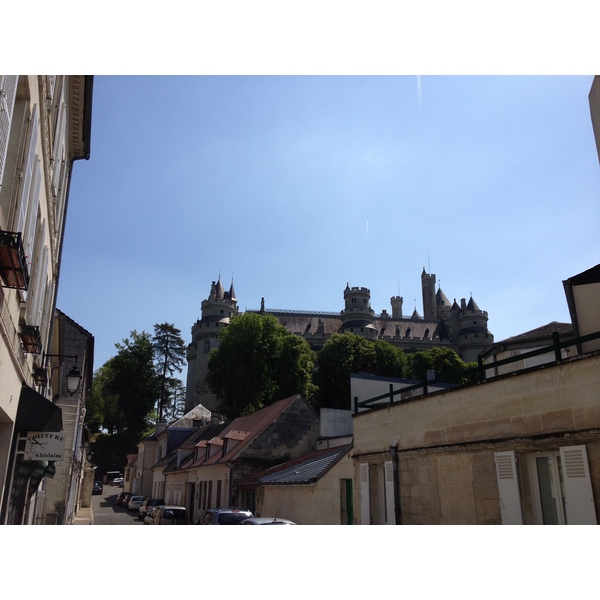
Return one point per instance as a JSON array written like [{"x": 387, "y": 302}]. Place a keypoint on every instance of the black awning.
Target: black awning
[{"x": 37, "y": 413}]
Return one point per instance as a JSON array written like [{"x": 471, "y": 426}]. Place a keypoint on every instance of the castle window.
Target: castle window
[
  {"x": 353, "y": 300},
  {"x": 206, "y": 346}
]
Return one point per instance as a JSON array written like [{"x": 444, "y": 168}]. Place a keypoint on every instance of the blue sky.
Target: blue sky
[{"x": 296, "y": 185}]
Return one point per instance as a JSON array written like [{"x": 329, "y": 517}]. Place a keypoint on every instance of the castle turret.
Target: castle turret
[
  {"x": 358, "y": 316},
  {"x": 473, "y": 335},
  {"x": 396, "y": 302},
  {"x": 429, "y": 303},
  {"x": 217, "y": 311}
]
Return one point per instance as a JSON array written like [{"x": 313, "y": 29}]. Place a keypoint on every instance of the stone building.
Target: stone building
[{"x": 461, "y": 327}]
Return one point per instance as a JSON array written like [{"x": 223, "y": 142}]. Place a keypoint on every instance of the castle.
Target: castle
[{"x": 463, "y": 328}]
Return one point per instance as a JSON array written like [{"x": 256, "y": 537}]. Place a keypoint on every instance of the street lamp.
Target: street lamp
[
  {"x": 73, "y": 380},
  {"x": 73, "y": 376}
]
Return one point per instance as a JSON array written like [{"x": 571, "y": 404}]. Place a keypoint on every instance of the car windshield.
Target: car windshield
[
  {"x": 177, "y": 513},
  {"x": 232, "y": 518}
]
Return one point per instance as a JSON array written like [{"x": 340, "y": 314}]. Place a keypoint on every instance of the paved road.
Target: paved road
[{"x": 106, "y": 511}]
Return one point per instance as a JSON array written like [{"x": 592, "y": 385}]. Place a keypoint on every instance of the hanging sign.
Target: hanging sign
[{"x": 44, "y": 445}]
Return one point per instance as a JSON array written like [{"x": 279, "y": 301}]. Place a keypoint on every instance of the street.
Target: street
[{"x": 106, "y": 511}]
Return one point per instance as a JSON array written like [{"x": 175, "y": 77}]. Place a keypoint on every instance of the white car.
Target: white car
[{"x": 135, "y": 502}]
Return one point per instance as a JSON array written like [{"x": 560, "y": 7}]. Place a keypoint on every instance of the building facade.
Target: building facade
[
  {"x": 462, "y": 327},
  {"x": 45, "y": 126}
]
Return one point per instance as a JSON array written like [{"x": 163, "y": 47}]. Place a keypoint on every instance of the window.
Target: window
[{"x": 559, "y": 486}]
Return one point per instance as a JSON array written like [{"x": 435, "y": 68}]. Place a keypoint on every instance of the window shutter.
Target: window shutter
[
  {"x": 36, "y": 277},
  {"x": 57, "y": 153},
  {"x": 8, "y": 91},
  {"x": 365, "y": 503},
  {"x": 32, "y": 213},
  {"x": 390, "y": 513},
  {"x": 577, "y": 485},
  {"x": 27, "y": 170},
  {"x": 508, "y": 488}
]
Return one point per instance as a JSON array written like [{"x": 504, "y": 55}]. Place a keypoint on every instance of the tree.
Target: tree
[
  {"x": 342, "y": 354},
  {"x": 347, "y": 353},
  {"x": 174, "y": 399},
  {"x": 257, "y": 363},
  {"x": 131, "y": 381},
  {"x": 445, "y": 362},
  {"x": 169, "y": 356}
]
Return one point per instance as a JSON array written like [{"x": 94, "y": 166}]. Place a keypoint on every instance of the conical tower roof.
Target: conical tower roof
[
  {"x": 441, "y": 299},
  {"x": 220, "y": 292},
  {"x": 472, "y": 305},
  {"x": 232, "y": 292}
]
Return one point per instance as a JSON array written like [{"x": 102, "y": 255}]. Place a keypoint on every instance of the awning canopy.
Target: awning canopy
[{"x": 37, "y": 413}]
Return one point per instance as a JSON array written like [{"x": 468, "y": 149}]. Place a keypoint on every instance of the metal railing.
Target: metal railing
[{"x": 472, "y": 376}]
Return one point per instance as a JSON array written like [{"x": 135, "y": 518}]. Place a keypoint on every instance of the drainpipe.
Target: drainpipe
[{"x": 394, "y": 453}]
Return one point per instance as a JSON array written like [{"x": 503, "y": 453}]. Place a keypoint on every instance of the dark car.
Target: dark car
[
  {"x": 224, "y": 516},
  {"x": 147, "y": 505},
  {"x": 97, "y": 489}
]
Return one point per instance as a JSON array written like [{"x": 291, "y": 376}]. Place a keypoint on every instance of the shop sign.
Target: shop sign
[{"x": 44, "y": 445}]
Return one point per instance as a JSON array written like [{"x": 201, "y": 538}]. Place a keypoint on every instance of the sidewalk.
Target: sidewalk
[{"x": 85, "y": 516}]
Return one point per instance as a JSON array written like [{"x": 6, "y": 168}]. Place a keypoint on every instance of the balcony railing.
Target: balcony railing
[
  {"x": 13, "y": 265},
  {"x": 473, "y": 376}
]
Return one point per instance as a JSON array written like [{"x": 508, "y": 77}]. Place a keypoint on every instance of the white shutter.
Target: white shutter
[
  {"x": 577, "y": 485},
  {"x": 57, "y": 151},
  {"x": 32, "y": 213},
  {"x": 27, "y": 170},
  {"x": 36, "y": 276},
  {"x": 40, "y": 292},
  {"x": 365, "y": 502},
  {"x": 508, "y": 488},
  {"x": 8, "y": 91}
]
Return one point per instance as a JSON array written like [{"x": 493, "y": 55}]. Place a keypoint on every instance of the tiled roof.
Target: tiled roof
[{"x": 252, "y": 424}]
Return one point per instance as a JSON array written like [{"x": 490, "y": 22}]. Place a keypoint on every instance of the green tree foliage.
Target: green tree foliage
[
  {"x": 130, "y": 384},
  {"x": 347, "y": 353},
  {"x": 174, "y": 399},
  {"x": 169, "y": 356},
  {"x": 446, "y": 363},
  {"x": 257, "y": 363}
]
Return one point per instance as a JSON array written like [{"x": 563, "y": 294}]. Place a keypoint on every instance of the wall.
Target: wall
[
  {"x": 309, "y": 504},
  {"x": 447, "y": 441}
]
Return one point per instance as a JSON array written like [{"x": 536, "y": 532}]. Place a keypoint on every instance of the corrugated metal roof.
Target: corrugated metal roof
[{"x": 308, "y": 470}]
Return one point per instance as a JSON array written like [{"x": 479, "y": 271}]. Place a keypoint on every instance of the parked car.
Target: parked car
[
  {"x": 170, "y": 515},
  {"x": 135, "y": 502},
  {"x": 149, "y": 516},
  {"x": 123, "y": 499},
  {"x": 147, "y": 505},
  {"x": 97, "y": 489},
  {"x": 224, "y": 516},
  {"x": 116, "y": 481},
  {"x": 266, "y": 521}
]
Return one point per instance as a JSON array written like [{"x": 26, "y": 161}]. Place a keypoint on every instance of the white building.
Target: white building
[{"x": 45, "y": 125}]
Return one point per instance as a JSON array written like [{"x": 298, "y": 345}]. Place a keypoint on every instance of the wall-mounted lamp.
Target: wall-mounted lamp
[{"x": 73, "y": 376}]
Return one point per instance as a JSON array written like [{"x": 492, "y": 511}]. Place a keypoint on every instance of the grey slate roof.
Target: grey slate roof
[{"x": 308, "y": 469}]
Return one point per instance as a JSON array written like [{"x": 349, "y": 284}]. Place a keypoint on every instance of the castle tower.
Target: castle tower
[
  {"x": 358, "y": 316},
  {"x": 473, "y": 335},
  {"x": 217, "y": 311},
  {"x": 396, "y": 302},
  {"x": 429, "y": 302}
]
